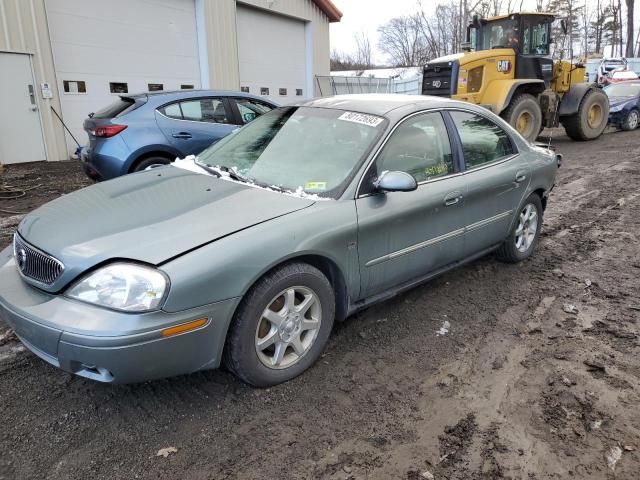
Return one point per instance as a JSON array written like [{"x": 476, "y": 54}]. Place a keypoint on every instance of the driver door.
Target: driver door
[{"x": 405, "y": 235}]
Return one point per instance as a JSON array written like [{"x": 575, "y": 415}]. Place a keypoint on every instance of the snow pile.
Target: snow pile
[{"x": 190, "y": 164}]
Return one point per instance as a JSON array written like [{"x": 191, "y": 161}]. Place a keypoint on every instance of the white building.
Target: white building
[{"x": 73, "y": 57}]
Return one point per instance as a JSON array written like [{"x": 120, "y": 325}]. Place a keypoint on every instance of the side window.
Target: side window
[
  {"x": 209, "y": 110},
  {"x": 251, "y": 109},
  {"x": 482, "y": 140},
  {"x": 172, "y": 111},
  {"x": 420, "y": 146}
]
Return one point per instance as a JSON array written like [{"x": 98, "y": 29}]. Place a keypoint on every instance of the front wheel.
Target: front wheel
[
  {"x": 525, "y": 232},
  {"x": 525, "y": 116},
  {"x": 631, "y": 121},
  {"x": 281, "y": 326}
]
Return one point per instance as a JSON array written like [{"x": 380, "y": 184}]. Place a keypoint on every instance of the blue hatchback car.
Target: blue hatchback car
[
  {"x": 624, "y": 101},
  {"x": 139, "y": 131}
]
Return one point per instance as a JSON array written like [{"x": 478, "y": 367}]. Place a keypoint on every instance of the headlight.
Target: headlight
[
  {"x": 616, "y": 108},
  {"x": 122, "y": 286}
]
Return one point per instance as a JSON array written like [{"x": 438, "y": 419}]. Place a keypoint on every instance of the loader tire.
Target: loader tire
[
  {"x": 524, "y": 114},
  {"x": 591, "y": 119}
]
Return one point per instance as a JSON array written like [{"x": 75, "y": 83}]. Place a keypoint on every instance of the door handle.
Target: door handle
[
  {"x": 183, "y": 135},
  {"x": 521, "y": 177},
  {"x": 452, "y": 198}
]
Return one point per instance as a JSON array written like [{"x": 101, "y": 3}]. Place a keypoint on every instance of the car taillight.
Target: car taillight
[{"x": 107, "y": 131}]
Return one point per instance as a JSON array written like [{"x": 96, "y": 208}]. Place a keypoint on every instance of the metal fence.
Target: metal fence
[{"x": 336, "y": 85}]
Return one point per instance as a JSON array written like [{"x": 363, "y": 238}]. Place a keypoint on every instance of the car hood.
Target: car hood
[
  {"x": 149, "y": 217},
  {"x": 617, "y": 101}
]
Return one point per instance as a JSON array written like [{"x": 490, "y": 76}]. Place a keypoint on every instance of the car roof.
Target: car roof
[
  {"x": 177, "y": 94},
  {"x": 377, "y": 103}
]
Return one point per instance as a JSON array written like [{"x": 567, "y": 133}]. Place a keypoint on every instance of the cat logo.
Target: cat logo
[{"x": 504, "y": 66}]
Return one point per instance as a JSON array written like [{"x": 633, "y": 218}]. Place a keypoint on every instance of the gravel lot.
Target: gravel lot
[{"x": 538, "y": 376}]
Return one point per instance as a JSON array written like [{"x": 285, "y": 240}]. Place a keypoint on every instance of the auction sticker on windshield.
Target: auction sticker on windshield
[{"x": 361, "y": 118}]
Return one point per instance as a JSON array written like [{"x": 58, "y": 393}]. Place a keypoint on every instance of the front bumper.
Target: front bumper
[
  {"x": 105, "y": 345},
  {"x": 617, "y": 118}
]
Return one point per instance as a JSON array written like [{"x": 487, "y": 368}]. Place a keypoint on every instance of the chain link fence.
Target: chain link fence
[{"x": 339, "y": 85}]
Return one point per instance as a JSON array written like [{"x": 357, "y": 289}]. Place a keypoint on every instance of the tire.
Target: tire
[
  {"x": 631, "y": 120},
  {"x": 579, "y": 126},
  {"x": 259, "y": 365},
  {"x": 148, "y": 162},
  {"x": 524, "y": 114},
  {"x": 511, "y": 251}
]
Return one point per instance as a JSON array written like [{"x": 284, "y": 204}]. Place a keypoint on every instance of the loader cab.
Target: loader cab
[{"x": 528, "y": 34}]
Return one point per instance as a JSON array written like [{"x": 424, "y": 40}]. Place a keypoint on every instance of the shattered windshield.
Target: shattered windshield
[{"x": 299, "y": 149}]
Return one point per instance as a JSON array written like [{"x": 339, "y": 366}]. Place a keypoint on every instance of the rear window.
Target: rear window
[{"x": 119, "y": 107}]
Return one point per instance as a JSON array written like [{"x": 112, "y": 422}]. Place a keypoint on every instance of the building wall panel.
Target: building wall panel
[{"x": 23, "y": 29}]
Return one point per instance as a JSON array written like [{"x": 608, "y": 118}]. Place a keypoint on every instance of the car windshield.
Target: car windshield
[
  {"x": 621, "y": 90},
  {"x": 304, "y": 149}
]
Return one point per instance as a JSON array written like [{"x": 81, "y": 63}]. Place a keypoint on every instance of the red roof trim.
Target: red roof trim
[{"x": 329, "y": 9}]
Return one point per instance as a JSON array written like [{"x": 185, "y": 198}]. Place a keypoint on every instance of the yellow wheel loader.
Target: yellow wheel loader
[{"x": 507, "y": 68}]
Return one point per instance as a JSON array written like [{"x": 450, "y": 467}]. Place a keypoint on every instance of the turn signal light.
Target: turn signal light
[
  {"x": 106, "y": 131},
  {"x": 184, "y": 327}
]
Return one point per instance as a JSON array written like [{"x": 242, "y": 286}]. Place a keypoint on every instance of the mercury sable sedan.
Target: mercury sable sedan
[{"x": 248, "y": 254}]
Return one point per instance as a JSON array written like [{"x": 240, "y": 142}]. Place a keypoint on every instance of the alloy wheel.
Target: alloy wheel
[
  {"x": 288, "y": 327},
  {"x": 527, "y": 227}
]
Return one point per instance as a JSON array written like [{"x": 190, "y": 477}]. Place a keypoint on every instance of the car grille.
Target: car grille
[
  {"x": 35, "y": 264},
  {"x": 438, "y": 79}
]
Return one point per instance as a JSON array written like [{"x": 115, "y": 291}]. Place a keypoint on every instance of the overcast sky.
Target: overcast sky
[{"x": 367, "y": 15}]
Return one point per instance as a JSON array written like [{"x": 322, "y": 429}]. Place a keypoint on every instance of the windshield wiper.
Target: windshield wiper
[
  {"x": 207, "y": 168},
  {"x": 233, "y": 173},
  {"x": 276, "y": 188}
]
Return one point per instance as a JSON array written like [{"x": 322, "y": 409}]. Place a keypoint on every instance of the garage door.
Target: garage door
[
  {"x": 271, "y": 54},
  {"x": 120, "y": 46}
]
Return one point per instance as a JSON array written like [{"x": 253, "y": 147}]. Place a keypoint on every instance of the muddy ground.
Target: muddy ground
[{"x": 538, "y": 376}]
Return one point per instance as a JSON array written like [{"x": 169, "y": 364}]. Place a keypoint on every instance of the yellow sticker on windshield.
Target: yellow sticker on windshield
[{"x": 315, "y": 186}]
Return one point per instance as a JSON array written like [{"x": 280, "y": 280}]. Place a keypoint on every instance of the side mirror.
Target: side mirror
[
  {"x": 395, "y": 182},
  {"x": 563, "y": 25}
]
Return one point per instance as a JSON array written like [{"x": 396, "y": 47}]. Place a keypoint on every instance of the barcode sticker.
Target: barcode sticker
[{"x": 361, "y": 118}]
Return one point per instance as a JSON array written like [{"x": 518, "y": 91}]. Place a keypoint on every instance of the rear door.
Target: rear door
[
  {"x": 194, "y": 124},
  {"x": 496, "y": 178},
  {"x": 405, "y": 235},
  {"x": 248, "y": 109}
]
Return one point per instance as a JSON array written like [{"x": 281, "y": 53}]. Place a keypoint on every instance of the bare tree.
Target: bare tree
[
  {"x": 340, "y": 61},
  {"x": 400, "y": 38},
  {"x": 630, "y": 39},
  {"x": 363, "y": 55}
]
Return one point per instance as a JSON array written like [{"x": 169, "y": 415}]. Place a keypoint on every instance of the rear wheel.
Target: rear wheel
[
  {"x": 591, "y": 119},
  {"x": 631, "y": 121},
  {"x": 150, "y": 162},
  {"x": 525, "y": 116},
  {"x": 525, "y": 232},
  {"x": 281, "y": 326}
]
